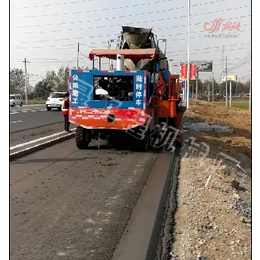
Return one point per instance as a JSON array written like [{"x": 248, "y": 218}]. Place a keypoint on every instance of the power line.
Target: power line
[
  {"x": 130, "y": 6},
  {"x": 109, "y": 36},
  {"x": 105, "y": 9},
  {"x": 49, "y": 5},
  {"x": 159, "y": 29},
  {"x": 125, "y": 16},
  {"x": 105, "y": 46},
  {"x": 170, "y": 51},
  {"x": 111, "y": 8},
  {"x": 241, "y": 62}
]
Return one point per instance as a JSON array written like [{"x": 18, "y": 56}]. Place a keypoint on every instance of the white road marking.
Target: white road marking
[
  {"x": 36, "y": 140},
  {"x": 35, "y": 146},
  {"x": 26, "y": 111},
  {"x": 15, "y": 122}
]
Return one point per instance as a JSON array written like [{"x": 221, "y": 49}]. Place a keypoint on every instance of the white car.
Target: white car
[
  {"x": 55, "y": 100},
  {"x": 16, "y": 100}
]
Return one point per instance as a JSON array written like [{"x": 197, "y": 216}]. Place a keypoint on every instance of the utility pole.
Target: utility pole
[
  {"x": 208, "y": 92},
  {"x": 197, "y": 81},
  {"x": 250, "y": 93},
  {"x": 222, "y": 63},
  {"x": 213, "y": 91},
  {"x": 226, "y": 85},
  {"x": 78, "y": 57},
  {"x": 230, "y": 93},
  {"x": 26, "y": 88}
]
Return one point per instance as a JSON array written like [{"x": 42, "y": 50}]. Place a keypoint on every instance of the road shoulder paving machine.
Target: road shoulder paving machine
[{"x": 138, "y": 100}]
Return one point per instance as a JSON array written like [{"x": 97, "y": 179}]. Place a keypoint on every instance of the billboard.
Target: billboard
[
  {"x": 193, "y": 71},
  {"x": 229, "y": 77},
  {"x": 204, "y": 66}
]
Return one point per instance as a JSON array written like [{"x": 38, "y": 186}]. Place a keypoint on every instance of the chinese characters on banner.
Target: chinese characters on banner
[
  {"x": 184, "y": 71},
  {"x": 193, "y": 70},
  {"x": 138, "y": 90},
  {"x": 74, "y": 89}
]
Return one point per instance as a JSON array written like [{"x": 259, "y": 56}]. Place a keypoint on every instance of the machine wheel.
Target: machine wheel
[
  {"x": 59, "y": 109},
  {"x": 144, "y": 145},
  {"x": 48, "y": 108},
  {"x": 83, "y": 137},
  {"x": 21, "y": 104}
]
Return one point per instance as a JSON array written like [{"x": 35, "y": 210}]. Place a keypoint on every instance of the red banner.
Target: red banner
[
  {"x": 193, "y": 71},
  {"x": 184, "y": 71}
]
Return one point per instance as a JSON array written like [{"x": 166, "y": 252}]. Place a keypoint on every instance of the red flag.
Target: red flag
[
  {"x": 193, "y": 71},
  {"x": 184, "y": 71}
]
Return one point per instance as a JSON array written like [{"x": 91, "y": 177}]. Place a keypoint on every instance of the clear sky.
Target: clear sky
[{"x": 47, "y": 32}]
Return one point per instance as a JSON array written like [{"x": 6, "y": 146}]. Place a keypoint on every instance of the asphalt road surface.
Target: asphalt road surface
[
  {"x": 73, "y": 204},
  {"x": 31, "y": 122}
]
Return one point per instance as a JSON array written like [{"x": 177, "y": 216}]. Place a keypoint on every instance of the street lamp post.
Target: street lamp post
[{"x": 188, "y": 56}]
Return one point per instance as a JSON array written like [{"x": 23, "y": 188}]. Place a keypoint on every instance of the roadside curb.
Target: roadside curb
[
  {"x": 142, "y": 235},
  {"x": 40, "y": 146}
]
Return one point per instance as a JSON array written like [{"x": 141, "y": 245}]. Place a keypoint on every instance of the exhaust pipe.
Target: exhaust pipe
[{"x": 120, "y": 60}]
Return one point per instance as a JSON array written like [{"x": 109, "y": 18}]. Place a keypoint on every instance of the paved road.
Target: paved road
[
  {"x": 32, "y": 122},
  {"x": 29, "y": 117},
  {"x": 73, "y": 204}
]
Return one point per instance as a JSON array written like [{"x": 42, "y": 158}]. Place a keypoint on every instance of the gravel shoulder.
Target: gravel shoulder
[{"x": 214, "y": 222}]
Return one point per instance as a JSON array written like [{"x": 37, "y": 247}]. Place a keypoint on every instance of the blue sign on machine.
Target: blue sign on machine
[{"x": 83, "y": 84}]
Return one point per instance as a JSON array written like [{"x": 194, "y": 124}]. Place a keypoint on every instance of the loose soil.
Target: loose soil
[{"x": 213, "y": 221}]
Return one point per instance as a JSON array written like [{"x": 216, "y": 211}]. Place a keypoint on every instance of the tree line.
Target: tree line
[
  {"x": 238, "y": 88},
  {"x": 58, "y": 81},
  {"x": 52, "y": 81}
]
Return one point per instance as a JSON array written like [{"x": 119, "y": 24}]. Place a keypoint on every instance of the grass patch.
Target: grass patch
[{"x": 241, "y": 104}]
